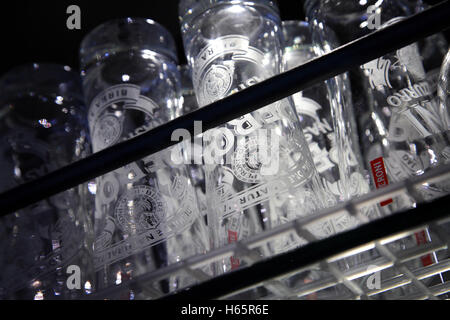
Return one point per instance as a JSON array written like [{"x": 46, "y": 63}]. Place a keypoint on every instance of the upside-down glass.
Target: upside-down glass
[
  {"x": 146, "y": 213},
  {"x": 259, "y": 171},
  {"x": 189, "y": 104},
  {"x": 399, "y": 121},
  {"x": 326, "y": 115},
  {"x": 401, "y": 126},
  {"x": 43, "y": 127},
  {"x": 195, "y": 170},
  {"x": 187, "y": 89},
  {"x": 432, "y": 49},
  {"x": 443, "y": 89}
]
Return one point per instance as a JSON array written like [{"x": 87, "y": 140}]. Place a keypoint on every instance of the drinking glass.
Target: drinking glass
[
  {"x": 401, "y": 127},
  {"x": 326, "y": 114},
  {"x": 45, "y": 248},
  {"x": 146, "y": 213},
  {"x": 432, "y": 49},
  {"x": 259, "y": 171},
  {"x": 196, "y": 170},
  {"x": 444, "y": 89}
]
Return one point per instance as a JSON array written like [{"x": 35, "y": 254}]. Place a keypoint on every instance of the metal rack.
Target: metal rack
[
  {"x": 273, "y": 278},
  {"x": 270, "y": 273}
]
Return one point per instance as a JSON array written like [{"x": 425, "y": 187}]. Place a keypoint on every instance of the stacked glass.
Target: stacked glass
[
  {"x": 402, "y": 129},
  {"x": 258, "y": 169},
  {"x": 45, "y": 248},
  {"x": 146, "y": 213},
  {"x": 400, "y": 124},
  {"x": 326, "y": 114}
]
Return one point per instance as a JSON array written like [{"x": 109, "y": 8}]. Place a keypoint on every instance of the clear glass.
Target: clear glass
[
  {"x": 259, "y": 171},
  {"x": 197, "y": 177},
  {"x": 401, "y": 129},
  {"x": 146, "y": 213},
  {"x": 443, "y": 89},
  {"x": 43, "y": 127},
  {"x": 401, "y": 126},
  {"x": 326, "y": 114},
  {"x": 189, "y": 103},
  {"x": 432, "y": 49}
]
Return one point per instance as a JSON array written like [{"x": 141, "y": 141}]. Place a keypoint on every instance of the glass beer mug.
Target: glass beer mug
[
  {"x": 45, "y": 248},
  {"x": 327, "y": 118},
  {"x": 326, "y": 114},
  {"x": 146, "y": 214},
  {"x": 196, "y": 170},
  {"x": 401, "y": 129},
  {"x": 443, "y": 90},
  {"x": 432, "y": 49},
  {"x": 259, "y": 171}
]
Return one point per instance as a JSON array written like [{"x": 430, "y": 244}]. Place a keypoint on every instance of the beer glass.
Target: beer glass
[
  {"x": 146, "y": 211},
  {"x": 190, "y": 104},
  {"x": 443, "y": 90},
  {"x": 401, "y": 128},
  {"x": 432, "y": 49},
  {"x": 259, "y": 171},
  {"x": 45, "y": 248},
  {"x": 326, "y": 114}
]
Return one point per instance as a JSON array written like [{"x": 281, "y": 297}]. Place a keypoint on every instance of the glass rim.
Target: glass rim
[
  {"x": 187, "y": 13},
  {"x": 167, "y": 47}
]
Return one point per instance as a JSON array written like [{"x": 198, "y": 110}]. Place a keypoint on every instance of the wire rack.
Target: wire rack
[
  {"x": 379, "y": 259},
  {"x": 403, "y": 255}
]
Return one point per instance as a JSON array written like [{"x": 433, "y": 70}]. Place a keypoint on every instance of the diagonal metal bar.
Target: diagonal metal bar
[{"x": 271, "y": 90}]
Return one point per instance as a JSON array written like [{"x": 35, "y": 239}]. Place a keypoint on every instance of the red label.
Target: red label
[
  {"x": 380, "y": 176},
  {"x": 233, "y": 237},
  {"x": 234, "y": 263},
  {"x": 421, "y": 238},
  {"x": 312, "y": 296}
]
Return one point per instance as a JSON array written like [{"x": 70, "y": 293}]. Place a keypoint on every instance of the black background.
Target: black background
[{"x": 35, "y": 31}]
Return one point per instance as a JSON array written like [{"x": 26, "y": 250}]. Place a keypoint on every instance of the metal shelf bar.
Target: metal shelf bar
[{"x": 271, "y": 90}]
